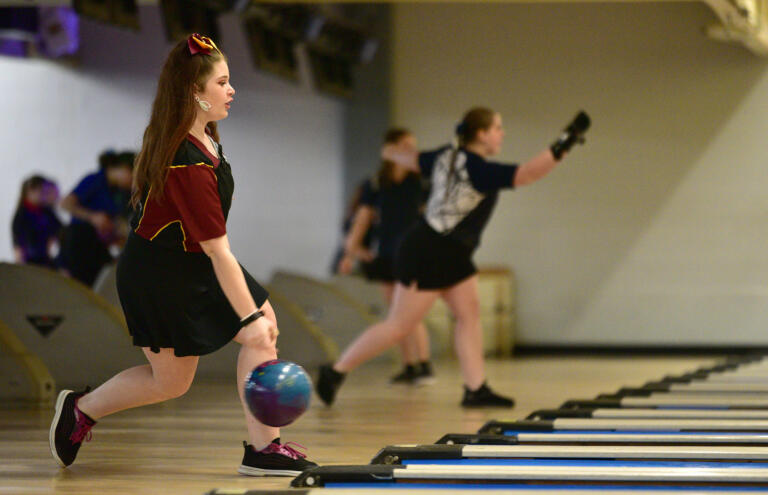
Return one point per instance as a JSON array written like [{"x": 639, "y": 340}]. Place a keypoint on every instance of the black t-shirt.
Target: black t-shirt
[
  {"x": 464, "y": 191},
  {"x": 398, "y": 207}
]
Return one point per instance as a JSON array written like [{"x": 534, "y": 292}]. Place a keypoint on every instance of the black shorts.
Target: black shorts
[
  {"x": 173, "y": 299},
  {"x": 431, "y": 260},
  {"x": 380, "y": 269}
]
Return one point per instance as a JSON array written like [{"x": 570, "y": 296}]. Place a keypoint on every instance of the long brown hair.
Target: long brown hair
[
  {"x": 476, "y": 119},
  {"x": 173, "y": 113},
  {"x": 385, "y": 174}
]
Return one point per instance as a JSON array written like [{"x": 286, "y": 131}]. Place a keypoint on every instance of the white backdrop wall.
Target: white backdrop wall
[
  {"x": 285, "y": 141},
  {"x": 367, "y": 116},
  {"x": 653, "y": 233}
]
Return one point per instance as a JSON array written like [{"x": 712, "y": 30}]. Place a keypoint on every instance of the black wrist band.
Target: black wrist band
[{"x": 251, "y": 318}]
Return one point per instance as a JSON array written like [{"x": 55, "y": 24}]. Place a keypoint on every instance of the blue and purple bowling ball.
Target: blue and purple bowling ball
[{"x": 278, "y": 392}]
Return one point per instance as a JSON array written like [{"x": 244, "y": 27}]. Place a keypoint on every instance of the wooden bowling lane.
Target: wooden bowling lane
[{"x": 192, "y": 445}]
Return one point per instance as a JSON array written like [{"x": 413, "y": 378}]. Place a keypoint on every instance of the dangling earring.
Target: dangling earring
[{"x": 203, "y": 104}]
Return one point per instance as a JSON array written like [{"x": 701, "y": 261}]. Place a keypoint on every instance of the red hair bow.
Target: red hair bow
[{"x": 201, "y": 44}]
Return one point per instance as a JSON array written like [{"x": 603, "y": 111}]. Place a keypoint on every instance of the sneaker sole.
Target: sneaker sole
[
  {"x": 52, "y": 432},
  {"x": 252, "y": 471}
]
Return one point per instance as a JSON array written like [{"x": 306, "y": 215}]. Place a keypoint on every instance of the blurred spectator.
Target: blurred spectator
[
  {"x": 349, "y": 214},
  {"x": 36, "y": 227},
  {"x": 99, "y": 206}
]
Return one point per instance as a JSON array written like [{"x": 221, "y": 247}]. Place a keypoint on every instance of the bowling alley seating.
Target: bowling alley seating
[
  {"x": 58, "y": 333},
  {"x": 106, "y": 286},
  {"x": 337, "y": 315},
  {"x": 79, "y": 337},
  {"x": 23, "y": 376}
]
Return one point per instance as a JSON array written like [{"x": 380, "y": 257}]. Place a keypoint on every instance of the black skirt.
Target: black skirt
[
  {"x": 172, "y": 299},
  {"x": 431, "y": 260},
  {"x": 380, "y": 269}
]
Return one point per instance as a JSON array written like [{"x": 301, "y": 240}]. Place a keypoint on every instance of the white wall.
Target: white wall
[
  {"x": 285, "y": 142},
  {"x": 655, "y": 232}
]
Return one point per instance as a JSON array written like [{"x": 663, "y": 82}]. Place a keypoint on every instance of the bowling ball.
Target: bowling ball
[{"x": 277, "y": 392}]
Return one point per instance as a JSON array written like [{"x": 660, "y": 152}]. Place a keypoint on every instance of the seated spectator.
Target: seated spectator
[
  {"x": 36, "y": 227},
  {"x": 96, "y": 205}
]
